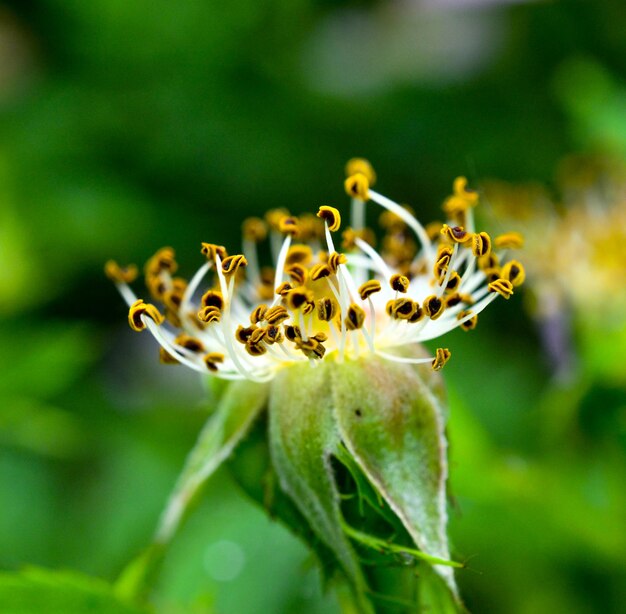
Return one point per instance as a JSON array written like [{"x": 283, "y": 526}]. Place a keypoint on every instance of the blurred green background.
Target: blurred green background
[{"x": 125, "y": 126}]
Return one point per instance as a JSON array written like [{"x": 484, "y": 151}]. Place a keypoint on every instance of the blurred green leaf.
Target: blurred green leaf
[{"x": 35, "y": 591}]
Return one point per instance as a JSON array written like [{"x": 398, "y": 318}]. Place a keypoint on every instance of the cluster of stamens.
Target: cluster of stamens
[{"x": 317, "y": 301}]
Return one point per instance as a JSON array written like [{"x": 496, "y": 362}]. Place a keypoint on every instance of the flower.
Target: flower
[
  {"x": 318, "y": 303},
  {"x": 325, "y": 349}
]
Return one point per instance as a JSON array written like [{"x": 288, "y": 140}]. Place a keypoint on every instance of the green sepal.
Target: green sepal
[
  {"x": 393, "y": 425},
  {"x": 303, "y": 437}
]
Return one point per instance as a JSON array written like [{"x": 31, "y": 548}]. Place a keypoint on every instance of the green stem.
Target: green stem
[{"x": 381, "y": 545}]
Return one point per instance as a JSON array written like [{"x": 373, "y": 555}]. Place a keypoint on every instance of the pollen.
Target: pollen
[
  {"x": 331, "y": 216},
  {"x": 140, "y": 310}
]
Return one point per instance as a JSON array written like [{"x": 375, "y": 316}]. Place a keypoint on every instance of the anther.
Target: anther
[
  {"x": 258, "y": 314},
  {"x": 166, "y": 358},
  {"x": 243, "y": 333},
  {"x": 433, "y": 306},
  {"x": 399, "y": 283},
  {"x": 189, "y": 343},
  {"x": 231, "y": 264},
  {"x": 298, "y": 297},
  {"x": 502, "y": 286},
  {"x": 334, "y": 260},
  {"x": 276, "y": 315},
  {"x": 368, "y": 288},
  {"x": 469, "y": 324},
  {"x": 402, "y": 308},
  {"x": 283, "y": 289},
  {"x": 254, "y": 229},
  {"x": 319, "y": 271},
  {"x": 292, "y": 332},
  {"x": 453, "y": 282},
  {"x": 274, "y": 216},
  {"x": 289, "y": 226},
  {"x": 299, "y": 254},
  {"x": 456, "y": 233},
  {"x": 212, "y": 359},
  {"x": 514, "y": 272},
  {"x": 139, "y": 309},
  {"x": 298, "y": 273},
  {"x": 481, "y": 244},
  {"x": 119, "y": 274},
  {"x": 163, "y": 260},
  {"x": 355, "y": 317},
  {"x": 442, "y": 356},
  {"x": 209, "y": 314},
  {"x": 210, "y": 250},
  {"x": 213, "y": 298},
  {"x": 357, "y": 186},
  {"x": 509, "y": 240},
  {"x": 326, "y": 309},
  {"x": 331, "y": 216},
  {"x": 362, "y": 166}
]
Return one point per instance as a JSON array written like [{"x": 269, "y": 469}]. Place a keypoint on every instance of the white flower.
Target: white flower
[{"x": 239, "y": 320}]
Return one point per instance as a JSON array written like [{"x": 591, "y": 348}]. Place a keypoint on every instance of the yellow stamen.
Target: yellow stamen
[
  {"x": 481, "y": 244},
  {"x": 503, "y": 287},
  {"x": 362, "y": 166},
  {"x": 212, "y": 359},
  {"x": 139, "y": 309},
  {"x": 399, "y": 283},
  {"x": 433, "y": 306},
  {"x": 231, "y": 264},
  {"x": 331, "y": 216},
  {"x": 254, "y": 229},
  {"x": 514, "y": 272},
  {"x": 442, "y": 356},
  {"x": 357, "y": 186},
  {"x": 509, "y": 240},
  {"x": 368, "y": 288},
  {"x": 120, "y": 275}
]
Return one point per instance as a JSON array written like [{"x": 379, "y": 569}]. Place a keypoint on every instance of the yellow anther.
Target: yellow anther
[
  {"x": 331, "y": 216},
  {"x": 490, "y": 261},
  {"x": 461, "y": 199},
  {"x": 514, "y": 272},
  {"x": 212, "y": 359},
  {"x": 308, "y": 308},
  {"x": 298, "y": 297},
  {"x": 156, "y": 286},
  {"x": 355, "y": 317},
  {"x": 502, "y": 286},
  {"x": 138, "y": 310},
  {"x": 399, "y": 283},
  {"x": 334, "y": 260},
  {"x": 481, "y": 244},
  {"x": 349, "y": 237},
  {"x": 454, "y": 281},
  {"x": 319, "y": 270},
  {"x": 163, "y": 260},
  {"x": 273, "y": 335},
  {"x": 209, "y": 315},
  {"x": 258, "y": 335},
  {"x": 357, "y": 186},
  {"x": 443, "y": 260},
  {"x": 299, "y": 254},
  {"x": 289, "y": 225},
  {"x": 509, "y": 240},
  {"x": 310, "y": 227},
  {"x": 231, "y": 264},
  {"x": 213, "y": 298},
  {"x": 189, "y": 343},
  {"x": 362, "y": 166},
  {"x": 243, "y": 333},
  {"x": 292, "y": 332},
  {"x": 469, "y": 324},
  {"x": 368, "y": 288},
  {"x": 433, "y": 230},
  {"x": 453, "y": 300},
  {"x": 166, "y": 358},
  {"x": 258, "y": 314},
  {"x": 326, "y": 309},
  {"x": 210, "y": 250},
  {"x": 173, "y": 298},
  {"x": 119, "y": 274},
  {"x": 274, "y": 216},
  {"x": 402, "y": 308},
  {"x": 433, "y": 306},
  {"x": 298, "y": 273},
  {"x": 418, "y": 314},
  {"x": 456, "y": 233},
  {"x": 283, "y": 289},
  {"x": 276, "y": 315},
  {"x": 254, "y": 229},
  {"x": 256, "y": 349},
  {"x": 460, "y": 189},
  {"x": 442, "y": 356}
]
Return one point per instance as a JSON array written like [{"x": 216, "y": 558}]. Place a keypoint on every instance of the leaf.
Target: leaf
[
  {"x": 239, "y": 405},
  {"x": 303, "y": 435},
  {"x": 34, "y": 591},
  {"x": 393, "y": 425}
]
